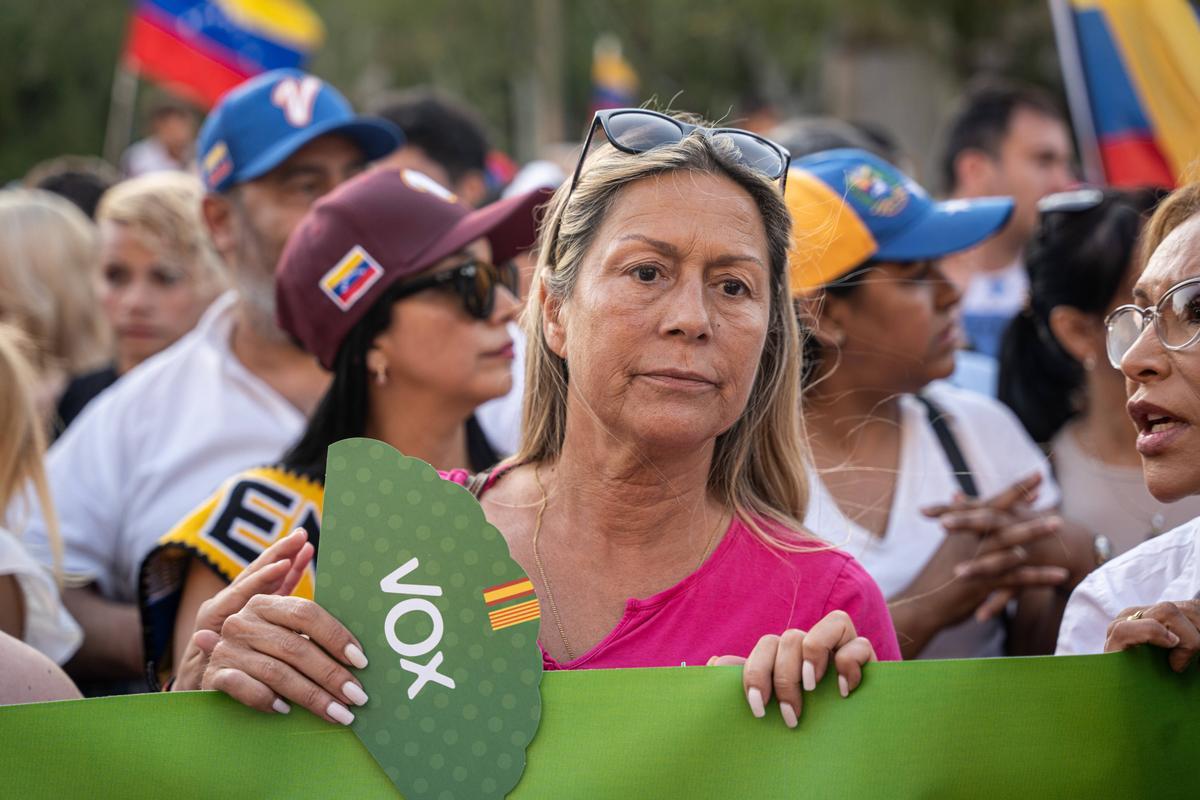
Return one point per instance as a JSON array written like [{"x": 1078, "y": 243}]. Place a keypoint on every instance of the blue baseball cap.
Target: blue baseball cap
[
  {"x": 893, "y": 218},
  {"x": 258, "y": 124}
]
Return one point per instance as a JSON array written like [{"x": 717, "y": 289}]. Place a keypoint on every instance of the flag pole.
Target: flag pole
[
  {"x": 121, "y": 107},
  {"x": 1077, "y": 92}
]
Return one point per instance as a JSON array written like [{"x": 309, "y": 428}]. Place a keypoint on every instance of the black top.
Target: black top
[
  {"x": 479, "y": 449},
  {"x": 79, "y": 392}
]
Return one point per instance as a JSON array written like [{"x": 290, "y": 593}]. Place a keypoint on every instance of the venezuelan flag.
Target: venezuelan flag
[
  {"x": 203, "y": 48},
  {"x": 1132, "y": 71},
  {"x": 614, "y": 82}
]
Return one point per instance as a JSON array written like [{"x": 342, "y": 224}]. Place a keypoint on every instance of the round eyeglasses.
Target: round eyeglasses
[{"x": 1176, "y": 319}]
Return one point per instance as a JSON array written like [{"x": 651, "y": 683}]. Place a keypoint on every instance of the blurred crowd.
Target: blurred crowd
[{"x": 962, "y": 416}]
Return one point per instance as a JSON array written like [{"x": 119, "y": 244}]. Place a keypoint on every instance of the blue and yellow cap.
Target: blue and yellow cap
[{"x": 850, "y": 206}]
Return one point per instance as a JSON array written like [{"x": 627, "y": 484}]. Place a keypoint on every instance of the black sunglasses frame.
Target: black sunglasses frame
[
  {"x": 463, "y": 280},
  {"x": 601, "y": 120}
]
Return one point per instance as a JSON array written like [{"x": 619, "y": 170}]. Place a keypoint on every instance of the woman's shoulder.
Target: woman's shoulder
[
  {"x": 793, "y": 550},
  {"x": 1153, "y": 565},
  {"x": 969, "y": 406}
]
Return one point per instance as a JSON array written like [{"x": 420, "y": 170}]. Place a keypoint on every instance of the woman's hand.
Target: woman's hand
[
  {"x": 785, "y": 663},
  {"x": 1014, "y": 547},
  {"x": 1172, "y": 626},
  {"x": 277, "y": 570},
  {"x": 287, "y": 648}
]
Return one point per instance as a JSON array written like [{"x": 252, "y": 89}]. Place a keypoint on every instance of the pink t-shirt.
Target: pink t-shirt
[{"x": 744, "y": 591}]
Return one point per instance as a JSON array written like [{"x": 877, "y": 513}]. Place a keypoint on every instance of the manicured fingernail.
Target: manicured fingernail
[
  {"x": 355, "y": 656},
  {"x": 339, "y": 713},
  {"x": 754, "y": 698},
  {"x": 1172, "y": 639},
  {"x": 808, "y": 675},
  {"x": 789, "y": 715},
  {"x": 280, "y": 706},
  {"x": 355, "y": 693},
  {"x": 843, "y": 686}
]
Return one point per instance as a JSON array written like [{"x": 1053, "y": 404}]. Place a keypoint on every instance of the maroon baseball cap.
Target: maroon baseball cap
[{"x": 372, "y": 231}]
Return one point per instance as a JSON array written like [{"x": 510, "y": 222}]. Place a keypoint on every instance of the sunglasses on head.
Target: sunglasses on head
[
  {"x": 637, "y": 131},
  {"x": 474, "y": 281}
]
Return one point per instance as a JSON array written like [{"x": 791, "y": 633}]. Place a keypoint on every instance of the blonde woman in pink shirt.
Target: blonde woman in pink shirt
[{"x": 658, "y": 495}]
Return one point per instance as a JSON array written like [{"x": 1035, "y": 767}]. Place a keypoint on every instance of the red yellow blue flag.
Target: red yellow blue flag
[
  {"x": 614, "y": 81},
  {"x": 202, "y": 48},
  {"x": 1132, "y": 70}
]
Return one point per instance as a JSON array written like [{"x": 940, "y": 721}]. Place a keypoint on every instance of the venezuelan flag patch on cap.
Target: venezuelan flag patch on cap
[
  {"x": 217, "y": 164},
  {"x": 350, "y": 279}
]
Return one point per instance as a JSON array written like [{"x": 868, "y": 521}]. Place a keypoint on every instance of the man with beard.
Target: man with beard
[{"x": 232, "y": 393}]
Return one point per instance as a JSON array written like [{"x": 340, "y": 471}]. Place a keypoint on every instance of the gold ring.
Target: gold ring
[{"x": 1135, "y": 616}]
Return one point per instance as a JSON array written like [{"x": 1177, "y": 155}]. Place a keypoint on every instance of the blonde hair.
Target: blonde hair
[
  {"x": 759, "y": 465},
  {"x": 47, "y": 288},
  {"x": 22, "y": 436},
  {"x": 163, "y": 209},
  {"x": 1178, "y": 207}
]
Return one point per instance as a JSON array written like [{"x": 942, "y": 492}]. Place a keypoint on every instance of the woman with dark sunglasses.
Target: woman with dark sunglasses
[
  {"x": 1054, "y": 374},
  {"x": 389, "y": 283},
  {"x": 662, "y": 454},
  {"x": 1151, "y": 594}
]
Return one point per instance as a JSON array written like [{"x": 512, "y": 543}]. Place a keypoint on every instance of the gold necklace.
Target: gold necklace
[{"x": 537, "y": 560}]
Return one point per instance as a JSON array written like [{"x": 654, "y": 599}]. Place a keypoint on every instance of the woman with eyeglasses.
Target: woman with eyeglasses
[
  {"x": 1151, "y": 594},
  {"x": 1054, "y": 375},
  {"x": 389, "y": 283},
  {"x": 658, "y": 496},
  {"x": 937, "y": 490}
]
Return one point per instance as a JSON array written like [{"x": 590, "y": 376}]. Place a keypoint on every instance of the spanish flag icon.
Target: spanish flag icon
[{"x": 507, "y": 612}]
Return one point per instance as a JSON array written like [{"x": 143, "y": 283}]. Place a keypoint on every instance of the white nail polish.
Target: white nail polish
[
  {"x": 355, "y": 693},
  {"x": 843, "y": 686},
  {"x": 339, "y": 713},
  {"x": 789, "y": 715},
  {"x": 280, "y": 706},
  {"x": 355, "y": 656},
  {"x": 808, "y": 675},
  {"x": 755, "y": 699}
]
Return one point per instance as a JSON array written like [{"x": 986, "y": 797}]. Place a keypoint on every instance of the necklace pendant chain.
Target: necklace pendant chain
[{"x": 537, "y": 560}]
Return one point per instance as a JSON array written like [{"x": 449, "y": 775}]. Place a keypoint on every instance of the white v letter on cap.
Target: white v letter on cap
[{"x": 296, "y": 98}]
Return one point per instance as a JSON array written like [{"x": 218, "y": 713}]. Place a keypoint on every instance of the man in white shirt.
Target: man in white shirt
[
  {"x": 169, "y": 145},
  {"x": 1004, "y": 140},
  {"x": 232, "y": 393}
]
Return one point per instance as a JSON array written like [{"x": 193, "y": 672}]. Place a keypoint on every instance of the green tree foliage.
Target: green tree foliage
[
  {"x": 56, "y": 68},
  {"x": 715, "y": 57}
]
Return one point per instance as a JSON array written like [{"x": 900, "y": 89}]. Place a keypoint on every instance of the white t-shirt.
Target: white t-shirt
[
  {"x": 998, "y": 452},
  {"x": 1163, "y": 569},
  {"x": 154, "y": 445},
  {"x": 990, "y": 302},
  {"x": 500, "y": 419},
  {"x": 148, "y": 155},
  {"x": 48, "y": 626}
]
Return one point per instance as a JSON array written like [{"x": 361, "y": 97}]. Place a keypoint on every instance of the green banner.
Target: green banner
[{"x": 1093, "y": 726}]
